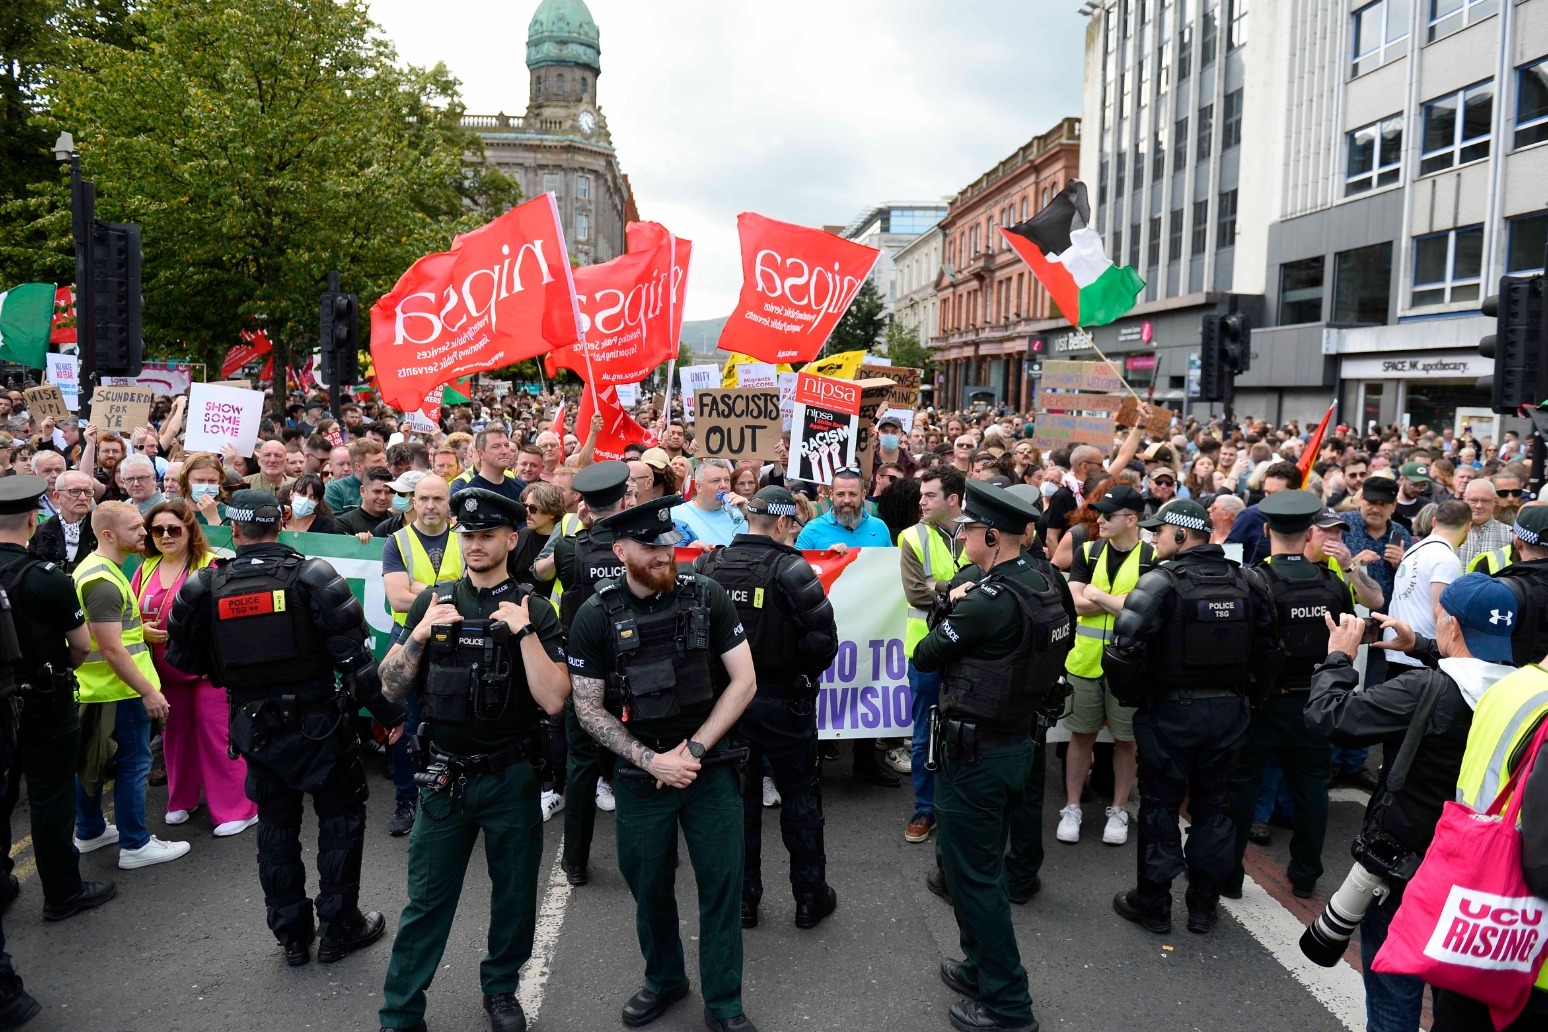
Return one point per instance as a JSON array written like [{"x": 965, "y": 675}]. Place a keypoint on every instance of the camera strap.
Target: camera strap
[{"x": 1397, "y": 774}]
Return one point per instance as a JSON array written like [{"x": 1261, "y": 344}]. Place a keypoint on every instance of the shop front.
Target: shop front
[{"x": 1414, "y": 373}]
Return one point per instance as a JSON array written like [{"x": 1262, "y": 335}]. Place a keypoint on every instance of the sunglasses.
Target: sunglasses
[
  {"x": 404, "y": 494},
  {"x": 1508, "y": 494},
  {"x": 534, "y": 508},
  {"x": 173, "y": 531}
]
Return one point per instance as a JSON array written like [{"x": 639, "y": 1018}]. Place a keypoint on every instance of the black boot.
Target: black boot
[
  {"x": 810, "y": 910},
  {"x": 344, "y": 937},
  {"x": 935, "y": 881},
  {"x": 575, "y": 874},
  {"x": 749, "y": 912},
  {"x": 1146, "y": 907},
  {"x": 17, "y": 1007},
  {"x": 298, "y": 951},
  {"x": 645, "y": 1006},
  {"x": 1203, "y": 901},
  {"x": 505, "y": 1013}
]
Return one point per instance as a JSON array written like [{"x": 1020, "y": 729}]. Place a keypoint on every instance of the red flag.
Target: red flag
[
  {"x": 825, "y": 565},
  {"x": 618, "y": 427},
  {"x": 255, "y": 344},
  {"x": 625, "y": 320},
  {"x": 1313, "y": 446},
  {"x": 558, "y": 424},
  {"x": 796, "y": 285},
  {"x": 482, "y": 305},
  {"x": 63, "y": 331},
  {"x": 268, "y": 370},
  {"x": 642, "y": 236}
]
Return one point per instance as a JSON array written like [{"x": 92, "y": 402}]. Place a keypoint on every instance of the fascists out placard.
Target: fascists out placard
[
  {"x": 739, "y": 424},
  {"x": 824, "y": 427}
]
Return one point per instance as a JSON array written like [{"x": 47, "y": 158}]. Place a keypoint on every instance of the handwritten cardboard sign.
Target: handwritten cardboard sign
[
  {"x": 738, "y": 425},
  {"x": 1157, "y": 425},
  {"x": 46, "y": 402},
  {"x": 1057, "y": 402},
  {"x": 905, "y": 383},
  {"x": 1056, "y": 430},
  {"x": 121, "y": 409},
  {"x": 1081, "y": 376},
  {"x": 873, "y": 398}
]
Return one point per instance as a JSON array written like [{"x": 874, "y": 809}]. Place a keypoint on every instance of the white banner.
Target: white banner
[
  {"x": 166, "y": 379},
  {"x": 64, "y": 372},
  {"x": 756, "y": 374},
  {"x": 787, "y": 382},
  {"x": 695, "y": 378},
  {"x": 628, "y": 395},
  {"x": 218, "y": 416},
  {"x": 865, "y": 693}
]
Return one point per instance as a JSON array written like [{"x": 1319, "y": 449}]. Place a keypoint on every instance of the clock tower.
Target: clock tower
[{"x": 564, "y": 59}]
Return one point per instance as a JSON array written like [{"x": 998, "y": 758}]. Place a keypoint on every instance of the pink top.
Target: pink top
[{"x": 155, "y": 611}]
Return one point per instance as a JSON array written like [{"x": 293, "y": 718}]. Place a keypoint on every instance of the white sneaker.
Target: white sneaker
[
  {"x": 178, "y": 816},
  {"x": 234, "y": 827},
  {"x": 770, "y": 793},
  {"x": 1117, "y": 831},
  {"x": 1069, "y": 824},
  {"x": 552, "y": 803},
  {"x": 605, "y": 800},
  {"x": 107, "y": 838},
  {"x": 155, "y": 851},
  {"x": 898, "y": 759}
]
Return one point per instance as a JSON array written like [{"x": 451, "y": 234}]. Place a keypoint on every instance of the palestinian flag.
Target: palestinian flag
[
  {"x": 1066, "y": 256},
  {"x": 26, "y": 320},
  {"x": 458, "y": 391}
]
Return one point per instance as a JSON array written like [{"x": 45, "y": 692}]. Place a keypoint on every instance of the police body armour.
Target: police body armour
[
  {"x": 748, "y": 575},
  {"x": 263, "y": 634},
  {"x": 1006, "y": 691}
]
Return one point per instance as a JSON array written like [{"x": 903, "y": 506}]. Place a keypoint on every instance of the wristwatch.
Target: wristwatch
[{"x": 695, "y": 749}]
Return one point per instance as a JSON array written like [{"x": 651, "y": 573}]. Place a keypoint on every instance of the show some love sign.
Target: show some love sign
[{"x": 219, "y": 415}]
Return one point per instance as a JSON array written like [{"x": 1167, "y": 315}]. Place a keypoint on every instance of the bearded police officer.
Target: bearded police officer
[
  {"x": 662, "y": 672},
  {"x": 487, "y": 659},
  {"x": 581, "y": 563},
  {"x": 1000, "y": 650},
  {"x": 1304, "y": 593},
  {"x": 794, "y": 636},
  {"x": 1192, "y": 636},
  {"x": 273, "y": 627}
]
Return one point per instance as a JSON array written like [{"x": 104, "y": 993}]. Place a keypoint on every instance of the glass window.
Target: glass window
[
  {"x": 1362, "y": 286},
  {"x": 1448, "y": 16},
  {"x": 1200, "y": 226},
  {"x": 1300, "y": 291},
  {"x": 1238, "y": 24},
  {"x": 1208, "y": 37},
  {"x": 1175, "y": 236},
  {"x": 583, "y": 187},
  {"x": 1119, "y": 183},
  {"x": 1375, "y": 156},
  {"x": 1528, "y": 242},
  {"x": 1205, "y": 131},
  {"x": 1225, "y": 220},
  {"x": 1448, "y": 266},
  {"x": 1153, "y": 247},
  {"x": 1117, "y": 241},
  {"x": 582, "y": 226},
  {"x": 1378, "y": 28},
  {"x": 1134, "y": 243},
  {"x": 1179, "y": 144},
  {"x": 1158, "y": 156},
  {"x": 1532, "y": 104},
  {"x": 1184, "y": 42},
  {"x": 551, "y": 182},
  {"x": 1231, "y": 125},
  {"x": 1456, "y": 128}
]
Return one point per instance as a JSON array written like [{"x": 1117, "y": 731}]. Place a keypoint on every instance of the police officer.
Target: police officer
[
  {"x": 794, "y": 636},
  {"x": 1000, "y": 650},
  {"x": 1303, "y": 593},
  {"x": 1191, "y": 637},
  {"x": 273, "y": 627},
  {"x": 662, "y": 672},
  {"x": 581, "y": 562},
  {"x": 43, "y": 637},
  {"x": 487, "y": 659},
  {"x": 1527, "y": 578}
]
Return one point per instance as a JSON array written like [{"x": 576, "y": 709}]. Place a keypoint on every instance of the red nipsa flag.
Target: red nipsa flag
[
  {"x": 625, "y": 319},
  {"x": 642, "y": 236},
  {"x": 255, "y": 344},
  {"x": 618, "y": 427}
]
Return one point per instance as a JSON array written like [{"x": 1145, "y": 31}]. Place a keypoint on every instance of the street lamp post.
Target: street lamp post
[{"x": 83, "y": 216}]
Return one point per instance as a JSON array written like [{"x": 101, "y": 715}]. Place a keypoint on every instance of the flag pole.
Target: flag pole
[{"x": 1122, "y": 379}]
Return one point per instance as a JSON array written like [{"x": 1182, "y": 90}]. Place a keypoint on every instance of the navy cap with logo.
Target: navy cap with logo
[
  {"x": 887, "y": 419},
  {"x": 602, "y": 483},
  {"x": 1531, "y": 524},
  {"x": 773, "y": 501},
  {"x": 253, "y": 506},
  {"x": 478, "y": 508},
  {"x": 1486, "y": 609},
  {"x": 1290, "y": 512},
  {"x": 1328, "y": 519},
  {"x": 1378, "y": 488},
  {"x": 649, "y": 523},
  {"x": 1121, "y": 497},
  {"x": 996, "y": 507},
  {"x": 20, "y": 494},
  {"x": 1180, "y": 512}
]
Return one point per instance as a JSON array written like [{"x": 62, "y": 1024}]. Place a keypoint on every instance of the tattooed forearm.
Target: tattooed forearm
[
  {"x": 603, "y": 726},
  {"x": 399, "y": 669}
]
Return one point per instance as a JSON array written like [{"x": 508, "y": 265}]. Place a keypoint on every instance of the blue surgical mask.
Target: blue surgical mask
[
  {"x": 203, "y": 491},
  {"x": 402, "y": 504},
  {"x": 889, "y": 442},
  {"x": 301, "y": 506}
]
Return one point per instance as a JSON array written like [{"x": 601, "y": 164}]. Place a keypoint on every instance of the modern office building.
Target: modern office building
[
  {"x": 917, "y": 264},
  {"x": 889, "y": 227}
]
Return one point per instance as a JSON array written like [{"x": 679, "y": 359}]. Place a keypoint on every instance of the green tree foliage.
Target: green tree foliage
[
  {"x": 259, "y": 143},
  {"x": 861, "y": 327},
  {"x": 905, "y": 348}
]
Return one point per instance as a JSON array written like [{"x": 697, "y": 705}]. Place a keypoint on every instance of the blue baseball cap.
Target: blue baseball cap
[{"x": 1486, "y": 609}]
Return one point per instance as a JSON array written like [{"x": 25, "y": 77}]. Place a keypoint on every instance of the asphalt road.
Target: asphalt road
[{"x": 184, "y": 946}]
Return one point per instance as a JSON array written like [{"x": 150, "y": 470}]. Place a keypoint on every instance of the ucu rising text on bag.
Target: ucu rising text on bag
[{"x": 1481, "y": 930}]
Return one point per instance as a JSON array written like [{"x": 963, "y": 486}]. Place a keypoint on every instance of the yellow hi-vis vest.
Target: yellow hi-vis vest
[
  {"x": 1092, "y": 633},
  {"x": 1492, "y": 562},
  {"x": 940, "y": 563},
  {"x": 420, "y": 568},
  {"x": 1507, "y": 713},
  {"x": 98, "y": 682},
  {"x": 569, "y": 526}
]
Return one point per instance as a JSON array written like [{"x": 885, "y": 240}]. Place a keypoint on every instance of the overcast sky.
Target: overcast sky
[{"x": 801, "y": 110}]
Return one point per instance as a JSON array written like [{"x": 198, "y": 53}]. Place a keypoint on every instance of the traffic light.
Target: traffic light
[
  {"x": 339, "y": 334},
  {"x": 1516, "y": 345},
  {"x": 1212, "y": 372},
  {"x": 1236, "y": 334},
  {"x": 118, "y": 347}
]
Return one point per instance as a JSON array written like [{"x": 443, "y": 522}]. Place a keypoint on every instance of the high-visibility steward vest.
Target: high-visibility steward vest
[
  {"x": 1506, "y": 717},
  {"x": 1093, "y": 632},
  {"x": 420, "y": 568},
  {"x": 1492, "y": 562},
  {"x": 569, "y": 526},
  {"x": 936, "y": 556},
  {"x": 98, "y": 682}
]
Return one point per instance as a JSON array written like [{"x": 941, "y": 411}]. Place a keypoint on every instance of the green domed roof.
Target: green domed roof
[{"x": 563, "y": 32}]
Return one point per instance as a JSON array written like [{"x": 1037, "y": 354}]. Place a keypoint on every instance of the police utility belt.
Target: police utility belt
[
  {"x": 962, "y": 741},
  {"x": 715, "y": 758}
]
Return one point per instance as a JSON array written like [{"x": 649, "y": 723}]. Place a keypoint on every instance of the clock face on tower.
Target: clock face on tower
[{"x": 588, "y": 121}]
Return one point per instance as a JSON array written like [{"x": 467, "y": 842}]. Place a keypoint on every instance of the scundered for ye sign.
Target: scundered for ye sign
[
  {"x": 218, "y": 416},
  {"x": 121, "y": 408}
]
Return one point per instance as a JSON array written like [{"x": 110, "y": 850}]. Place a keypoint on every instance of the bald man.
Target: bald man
[{"x": 271, "y": 474}]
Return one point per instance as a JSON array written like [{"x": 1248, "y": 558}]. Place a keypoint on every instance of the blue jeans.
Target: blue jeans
[
  {"x": 926, "y": 691},
  {"x": 402, "y": 766},
  {"x": 129, "y": 768},
  {"x": 1275, "y": 796},
  {"x": 1392, "y": 1002}
]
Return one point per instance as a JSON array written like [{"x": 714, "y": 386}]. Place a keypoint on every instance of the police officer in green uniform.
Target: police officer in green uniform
[
  {"x": 487, "y": 659},
  {"x": 662, "y": 672},
  {"x": 580, "y": 564},
  {"x": 1000, "y": 651},
  {"x": 1303, "y": 591},
  {"x": 39, "y": 730}
]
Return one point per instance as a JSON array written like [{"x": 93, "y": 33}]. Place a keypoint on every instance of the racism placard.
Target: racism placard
[
  {"x": 737, "y": 425},
  {"x": 1081, "y": 376},
  {"x": 219, "y": 415},
  {"x": 121, "y": 409},
  {"x": 46, "y": 402},
  {"x": 824, "y": 427}
]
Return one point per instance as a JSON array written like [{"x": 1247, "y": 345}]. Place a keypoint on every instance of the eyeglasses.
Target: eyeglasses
[
  {"x": 142, "y": 478},
  {"x": 174, "y": 530},
  {"x": 80, "y": 492},
  {"x": 534, "y": 509},
  {"x": 1508, "y": 493}
]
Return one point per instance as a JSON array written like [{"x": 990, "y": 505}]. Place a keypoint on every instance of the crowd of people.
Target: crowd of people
[{"x": 1430, "y": 530}]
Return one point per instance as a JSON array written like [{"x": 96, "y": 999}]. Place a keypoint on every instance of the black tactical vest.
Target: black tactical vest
[
  {"x": 29, "y": 651},
  {"x": 1303, "y": 593},
  {"x": 662, "y": 664},
  {"x": 595, "y": 562},
  {"x": 1006, "y": 691},
  {"x": 748, "y": 575},
  {"x": 263, "y": 637},
  {"x": 1528, "y": 581},
  {"x": 473, "y": 675},
  {"x": 1208, "y": 640}
]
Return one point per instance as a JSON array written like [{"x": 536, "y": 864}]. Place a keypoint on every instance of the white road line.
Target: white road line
[
  {"x": 1349, "y": 794},
  {"x": 550, "y": 919}
]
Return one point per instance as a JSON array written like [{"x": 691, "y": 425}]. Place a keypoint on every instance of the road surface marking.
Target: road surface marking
[{"x": 550, "y": 919}]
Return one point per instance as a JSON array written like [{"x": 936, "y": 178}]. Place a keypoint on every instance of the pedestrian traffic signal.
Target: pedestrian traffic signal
[
  {"x": 1226, "y": 350},
  {"x": 1516, "y": 345},
  {"x": 339, "y": 335},
  {"x": 1236, "y": 335},
  {"x": 118, "y": 347}
]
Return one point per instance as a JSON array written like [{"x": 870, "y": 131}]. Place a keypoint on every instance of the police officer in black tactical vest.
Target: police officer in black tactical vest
[
  {"x": 1001, "y": 649},
  {"x": 275, "y": 628},
  {"x": 580, "y": 564},
  {"x": 662, "y": 672},
  {"x": 793, "y": 634},
  {"x": 1194, "y": 644},
  {"x": 487, "y": 659},
  {"x": 1527, "y": 579},
  {"x": 1303, "y": 592}
]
